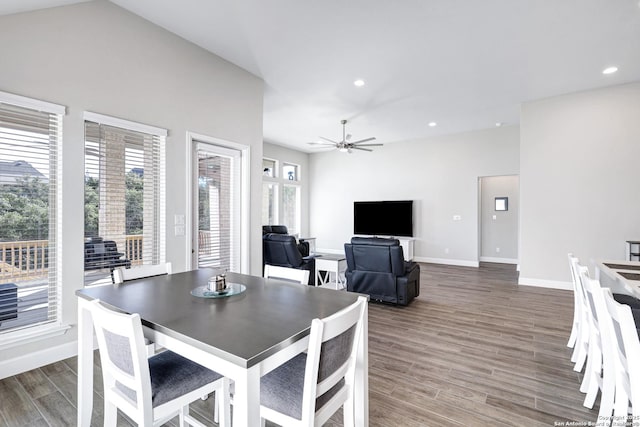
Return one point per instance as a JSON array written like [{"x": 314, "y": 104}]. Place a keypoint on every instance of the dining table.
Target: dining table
[
  {"x": 622, "y": 277},
  {"x": 242, "y": 335}
]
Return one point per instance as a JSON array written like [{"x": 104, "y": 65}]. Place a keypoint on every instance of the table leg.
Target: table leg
[
  {"x": 85, "y": 364},
  {"x": 361, "y": 401},
  {"x": 246, "y": 400}
]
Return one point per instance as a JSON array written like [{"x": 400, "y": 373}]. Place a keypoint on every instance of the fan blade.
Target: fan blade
[
  {"x": 369, "y": 145},
  {"x": 359, "y": 148},
  {"x": 329, "y": 140},
  {"x": 326, "y": 144},
  {"x": 364, "y": 140}
]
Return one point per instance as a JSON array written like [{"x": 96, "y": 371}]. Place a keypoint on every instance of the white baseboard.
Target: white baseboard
[
  {"x": 499, "y": 260},
  {"x": 37, "y": 359},
  {"x": 458, "y": 262},
  {"x": 540, "y": 283}
]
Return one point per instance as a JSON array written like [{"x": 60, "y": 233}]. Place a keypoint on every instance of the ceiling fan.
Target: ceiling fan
[{"x": 346, "y": 145}]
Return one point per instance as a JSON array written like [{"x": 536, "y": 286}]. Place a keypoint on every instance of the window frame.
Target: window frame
[
  {"x": 244, "y": 199},
  {"x": 281, "y": 181},
  {"x": 55, "y": 327},
  {"x": 161, "y": 133}
]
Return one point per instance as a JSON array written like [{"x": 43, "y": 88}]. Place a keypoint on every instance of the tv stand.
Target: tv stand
[{"x": 407, "y": 245}]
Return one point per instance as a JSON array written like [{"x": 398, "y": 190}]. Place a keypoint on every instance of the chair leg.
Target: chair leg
[
  {"x": 572, "y": 338},
  {"x": 592, "y": 376},
  {"x": 621, "y": 404},
  {"x": 608, "y": 395},
  {"x": 589, "y": 376},
  {"x": 184, "y": 412},
  {"x": 222, "y": 405},
  {"x": 348, "y": 413},
  {"x": 110, "y": 414},
  {"x": 216, "y": 406},
  {"x": 579, "y": 354}
]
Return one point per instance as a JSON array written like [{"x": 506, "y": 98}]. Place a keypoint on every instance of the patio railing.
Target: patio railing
[{"x": 28, "y": 259}]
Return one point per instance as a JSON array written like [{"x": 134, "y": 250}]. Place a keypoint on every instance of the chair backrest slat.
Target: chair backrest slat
[
  {"x": 285, "y": 273},
  {"x": 331, "y": 359},
  {"x": 123, "y": 355},
  {"x": 122, "y": 274}
]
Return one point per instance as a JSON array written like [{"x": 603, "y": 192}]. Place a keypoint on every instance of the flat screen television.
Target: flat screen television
[{"x": 385, "y": 218}]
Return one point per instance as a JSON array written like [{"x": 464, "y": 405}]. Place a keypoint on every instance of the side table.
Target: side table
[{"x": 335, "y": 265}]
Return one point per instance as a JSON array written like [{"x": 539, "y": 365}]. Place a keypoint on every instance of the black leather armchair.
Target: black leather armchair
[
  {"x": 376, "y": 266},
  {"x": 282, "y": 250},
  {"x": 303, "y": 247}
]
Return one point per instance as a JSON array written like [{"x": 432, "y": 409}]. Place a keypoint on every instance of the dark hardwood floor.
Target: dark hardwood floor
[{"x": 474, "y": 349}]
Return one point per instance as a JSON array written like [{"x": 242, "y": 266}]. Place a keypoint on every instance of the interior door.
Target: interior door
[{"x": 216, "y": 207}]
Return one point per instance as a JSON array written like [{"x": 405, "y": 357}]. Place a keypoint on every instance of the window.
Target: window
[
  {"x": 291, "y": 208},
  {"x": 124, "y": 202},
  {"x": 30, "y": 134},
  {"x": 269, "y": 203},
  {"x": 269, "y": 168},
  {"x": 281, "y": 195},
  {"x": 290, "y": 172}
]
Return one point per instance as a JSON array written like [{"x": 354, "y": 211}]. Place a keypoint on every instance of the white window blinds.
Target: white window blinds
[
  {"x": 124, "y": 199},
  {"x": 30, "y": 134},
  {"x": 218, "y": 177}
]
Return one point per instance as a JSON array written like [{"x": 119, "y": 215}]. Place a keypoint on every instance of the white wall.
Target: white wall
[
  {"x": 499, "y": 229},
  {"x": 439, "y": 174},
  {"x": 579, "y": 168},
  {"x": 286, "y": 155},
  {"x": 97, "y": 57}
]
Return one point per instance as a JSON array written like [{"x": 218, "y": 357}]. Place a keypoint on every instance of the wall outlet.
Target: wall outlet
[
  {"x": 497, "y": 250},
  {"x": 457, "y": 217}
]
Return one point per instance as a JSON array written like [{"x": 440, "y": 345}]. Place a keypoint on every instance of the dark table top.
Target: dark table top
[{"x": 243, "y": 329}]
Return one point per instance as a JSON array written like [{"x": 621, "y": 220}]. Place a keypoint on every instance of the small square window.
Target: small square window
[
  {"x": 269, "y": 168},
  {"x": 290, "y": 172},
  {"x": 502, "y": 203}
]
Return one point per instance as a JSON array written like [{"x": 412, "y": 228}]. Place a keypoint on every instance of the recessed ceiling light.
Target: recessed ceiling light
[
  {"x": 610, "y": 70},
  {"x": 433, "y": 124},
  {"x": 499, "y": 124},
  {"x": 359, "y": 83}
]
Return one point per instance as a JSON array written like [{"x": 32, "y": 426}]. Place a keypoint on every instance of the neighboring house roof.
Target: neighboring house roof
[{"x": 9, "y": 171}]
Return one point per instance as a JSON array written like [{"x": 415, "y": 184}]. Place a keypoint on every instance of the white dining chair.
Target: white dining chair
[
  {"x": 285, "y": 273},
  {"x": 575, "y": 328},
  {"x": 122, "y": 274},
  {"x": 591, "y": 382},
  {"x": 308, "y": 389},
  {"x": 627, "y": 353},
  {"x": 153, "y": 390},
  {"x": 601, "y": 366},
  {"x": 581, "y": 309}
]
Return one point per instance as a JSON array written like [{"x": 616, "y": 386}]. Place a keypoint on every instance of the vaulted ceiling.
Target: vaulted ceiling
[{"x": 461, "y": 64}]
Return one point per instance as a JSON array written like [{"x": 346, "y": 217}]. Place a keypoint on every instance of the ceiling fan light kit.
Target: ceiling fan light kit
[{"x": 346, "y": 145}]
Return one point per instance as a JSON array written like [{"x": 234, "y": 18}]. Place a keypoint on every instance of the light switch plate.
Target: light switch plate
[
  {"x": 178, "y": 219},
  {"x": 179, "y": 230}
]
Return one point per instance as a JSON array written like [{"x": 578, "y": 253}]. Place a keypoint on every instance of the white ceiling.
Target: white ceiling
[{"x": 461, "y": 63}]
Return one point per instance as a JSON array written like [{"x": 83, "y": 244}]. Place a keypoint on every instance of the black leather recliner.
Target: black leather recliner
[
  {"x": 376, "y": 266},
  {"x": 282, "y": 250},
  {"x": 278, "y": 229},
  {"x": 303, "y": 247}
]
